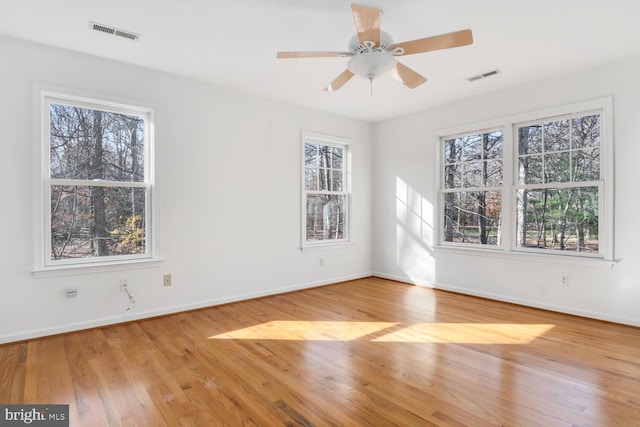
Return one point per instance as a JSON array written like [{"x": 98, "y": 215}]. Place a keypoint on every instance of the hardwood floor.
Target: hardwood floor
[{"x": 365, "y": 352}]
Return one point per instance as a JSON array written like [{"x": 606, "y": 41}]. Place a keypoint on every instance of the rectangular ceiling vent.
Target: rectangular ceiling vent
[
  {"x": 113, "y": 31},
  {"x": 483, "y": 75}
]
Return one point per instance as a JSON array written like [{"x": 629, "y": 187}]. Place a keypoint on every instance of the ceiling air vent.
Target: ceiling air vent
[
  {"x": 483, "y": 75},
  {"x": 113, "y": 31}
]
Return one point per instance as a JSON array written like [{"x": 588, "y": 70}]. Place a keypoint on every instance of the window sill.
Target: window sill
[
  {"x": 326, "y": 246},
  {"x": 529, "y": 257},
  {"x": 98, "y": 267}
]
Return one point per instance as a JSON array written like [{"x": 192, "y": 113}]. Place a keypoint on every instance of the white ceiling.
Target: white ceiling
[{"x": 233, "y": 43}]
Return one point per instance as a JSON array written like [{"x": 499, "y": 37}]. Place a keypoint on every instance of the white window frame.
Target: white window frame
[
  {"x": 345, "y": 144},
  {"x": 43, "y": 260},
  {"x": 602, "y": 106}
]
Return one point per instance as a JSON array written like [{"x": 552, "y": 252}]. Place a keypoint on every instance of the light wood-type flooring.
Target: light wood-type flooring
[{"x": 369, "y": 352}]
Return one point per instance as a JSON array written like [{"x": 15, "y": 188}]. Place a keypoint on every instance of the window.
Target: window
[
  {"x": 473, "y": 188},
  {"x": 96, "y": 181},
  {"x": 326, "y": 189},
  {"x": 558, "y": 184},
  {"x": 537, "y": 183}
]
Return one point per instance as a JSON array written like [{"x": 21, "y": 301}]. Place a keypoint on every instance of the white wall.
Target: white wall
[
  {"x": 404, "y": 191},
  {"x": 228, "y": 192}
]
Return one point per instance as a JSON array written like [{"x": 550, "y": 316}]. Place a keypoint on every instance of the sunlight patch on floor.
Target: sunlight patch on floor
[
  {"x": 307, "y": 330},
  {"x": 462, "y": 333},
  {"x": 467, "y": 333}
]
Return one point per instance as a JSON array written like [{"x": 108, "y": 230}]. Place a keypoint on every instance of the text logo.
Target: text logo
[{"x": 34, "y": 415}]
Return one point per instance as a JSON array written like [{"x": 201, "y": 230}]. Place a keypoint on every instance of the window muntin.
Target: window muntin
[
  {"x": 97, "y": 182},
  {"x": 472, "y": 194},
  {"x": 325, "y": 190}
]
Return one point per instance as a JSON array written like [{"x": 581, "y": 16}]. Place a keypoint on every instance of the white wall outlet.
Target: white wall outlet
[
  {"x": 321, "y": 261},
  {"x": 71, "y": 292},
  {"x": 124, "y": 283},
  {"x": 564, "y": 280},
  {"x": 167, "y": 280}
]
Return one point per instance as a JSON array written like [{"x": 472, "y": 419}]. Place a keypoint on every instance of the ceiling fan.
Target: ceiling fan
[{"x": 373, "y": 52}]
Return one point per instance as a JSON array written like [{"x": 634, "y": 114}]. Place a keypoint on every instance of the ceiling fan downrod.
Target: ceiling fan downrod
[{"x": 371, "y": 77}]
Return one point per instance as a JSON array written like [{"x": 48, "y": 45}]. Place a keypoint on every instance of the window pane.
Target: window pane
[
  {"x": 471, "y": 148},
  {"x": 557, "y": 167},
  {"x": 452, "y": 150},
  {"x": 325, "y": 156},
  {"x": 494, "y": 173},
  {"x": 337, "y": 158},
  {"x": 585, "y": 131},
  {"x": 311, "y": 179},
  {"x": 453, "y": 176},
  {"x": 556, "y": 135},
  {"x": 473, "y": 174},
  {"x": 311, "y": 155},
  {"x": 494, "y": 145},
  {"x": 329, "y": 180},
  {"x": 530, "y": 139},
  {"x": 586, "y": 165},
  {"x": 91, "y": 144},
  {"x": 326, "y": 217},
  {"x": 472, "y": 217},
  {"x": 97, "y": 221},
  {"x": 336, "y": 181},
  {"x": 564, "y": 219}
]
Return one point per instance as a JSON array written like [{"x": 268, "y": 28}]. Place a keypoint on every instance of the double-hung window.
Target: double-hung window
[
  {"x": 538, "y": 183},
  {"x": 472, "y": 193},
  {"x": 325, "y": 189},
  {"x": 558, "y": 184},
  {"x": 97, "y": 181}
]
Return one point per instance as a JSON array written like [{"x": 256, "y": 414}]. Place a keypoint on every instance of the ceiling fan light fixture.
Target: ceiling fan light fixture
[{"x": 372, "y": 64}]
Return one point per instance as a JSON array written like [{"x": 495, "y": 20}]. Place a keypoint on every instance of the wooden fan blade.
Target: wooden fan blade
[
  {"x": 367, "y": 20},
  {"x": 285, "y": 55},
  {"x": 443, "y": 41},
  {"x": 407, "y": 76},
  {"x": 339, "y": 81}
]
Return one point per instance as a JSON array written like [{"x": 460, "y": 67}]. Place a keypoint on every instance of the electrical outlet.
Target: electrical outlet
[
  {"x": 321, "y": 261},
  {"x": 71, "y": 292},
  {"x": 564, "y": 280},
  {"x": 124, "y": 283},
  {"x": 167, "y": 280}
]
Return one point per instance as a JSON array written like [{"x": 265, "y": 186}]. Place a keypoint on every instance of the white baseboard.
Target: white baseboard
[
  {"x": 514, "y": 300},
  {"x": 133, "y": 316}
]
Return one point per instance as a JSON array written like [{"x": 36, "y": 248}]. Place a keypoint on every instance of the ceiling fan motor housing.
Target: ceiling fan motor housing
[
  {"x": 369, "y": 60},
  {"x": 372, "y": 64}
]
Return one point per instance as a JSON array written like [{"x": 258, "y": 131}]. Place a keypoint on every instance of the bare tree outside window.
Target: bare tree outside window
[
  {"x": 472, "y": 193},
  {"x": 326, "y": 192},
  {"x": 98, "y": 194}
]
